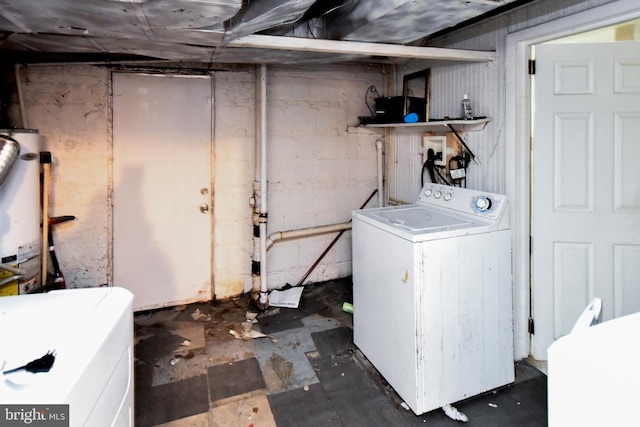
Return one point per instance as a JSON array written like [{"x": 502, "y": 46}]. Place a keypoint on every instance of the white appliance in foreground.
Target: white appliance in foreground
[
  {"x": 432, "y": 295},
  {"x": 593, "y": 375},
  {"x": 91, "y": 332}
]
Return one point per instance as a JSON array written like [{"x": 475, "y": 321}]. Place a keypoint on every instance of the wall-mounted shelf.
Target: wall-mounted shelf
[{"x": 435, "y": 125}]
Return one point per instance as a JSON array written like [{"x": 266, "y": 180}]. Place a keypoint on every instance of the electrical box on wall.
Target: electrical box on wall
[
  {"x": 443, "y": 152},
  {"x": 439, "y": 145}
]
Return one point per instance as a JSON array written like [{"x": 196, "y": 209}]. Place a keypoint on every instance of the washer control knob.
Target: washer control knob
[
  {"x": 482, "y": 204},
  {"x": 447, "y": 196},
  {"x": 437, "y": 194},
  {"x": 428, "y": 192}
]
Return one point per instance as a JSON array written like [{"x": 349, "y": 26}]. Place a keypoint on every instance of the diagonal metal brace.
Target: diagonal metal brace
[{"x": 473, "y": 156}]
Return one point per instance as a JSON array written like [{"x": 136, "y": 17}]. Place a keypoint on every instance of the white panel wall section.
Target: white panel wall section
[
  {"x": 406, "y": 166},
  {"x": 484, "y": 83}
]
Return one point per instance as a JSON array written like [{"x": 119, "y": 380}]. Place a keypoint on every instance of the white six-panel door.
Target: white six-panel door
[
  {"x": 162, "y": 188},
  {"x": 585, "y": 185}
]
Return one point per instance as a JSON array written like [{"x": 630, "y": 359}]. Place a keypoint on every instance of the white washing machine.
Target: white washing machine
[
  {"x": 91, "y": 333},
  {"x": 432, "y": 294}
]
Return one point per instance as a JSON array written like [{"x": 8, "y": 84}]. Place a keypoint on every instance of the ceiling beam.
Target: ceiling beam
[{"x": 360, "y": 48}]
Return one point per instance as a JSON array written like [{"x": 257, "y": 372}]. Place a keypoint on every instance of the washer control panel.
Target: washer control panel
[{"x": 479, "y": 203}]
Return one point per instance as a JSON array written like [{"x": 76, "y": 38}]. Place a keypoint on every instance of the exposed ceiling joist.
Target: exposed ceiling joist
[{"x": 360, "y": 48}]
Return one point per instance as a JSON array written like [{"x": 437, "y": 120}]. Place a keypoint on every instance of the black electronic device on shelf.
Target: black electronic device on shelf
[{"x": 393, "y": 109}]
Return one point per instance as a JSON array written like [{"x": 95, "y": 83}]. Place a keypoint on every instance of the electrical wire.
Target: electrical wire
[
  {"x": 373, "y": 90},
  {"x": 310, "y": 30},
  {"x": 444, "y": 180},
  {"x": 435, "y": 171},
  {"x": 434, "y": 174},
  {"x": 428, "y": 164}
]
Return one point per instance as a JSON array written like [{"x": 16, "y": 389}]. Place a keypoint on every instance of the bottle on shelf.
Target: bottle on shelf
[{"x": 467, "y": 112}]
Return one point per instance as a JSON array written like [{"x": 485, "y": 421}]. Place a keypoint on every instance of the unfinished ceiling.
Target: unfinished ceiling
[{"x": 230, "y": 31}]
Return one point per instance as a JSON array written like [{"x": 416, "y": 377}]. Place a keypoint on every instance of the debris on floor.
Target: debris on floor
[
  {"x": 313, "y": 376},
  {"x": 187, "y": 355},
  {"x": 347, "y": 307},
  {"x": 247, "y": 333},
  {"x": 200, "y": 317},
  {"x": 282, "y": 367},
  {"x": 289, "y": 298},
  {"x": 250, "y": 335},
  {"x": 454, "y": 414}
]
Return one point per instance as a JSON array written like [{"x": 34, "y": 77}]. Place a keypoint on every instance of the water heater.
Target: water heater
[{"x": 20, "y": 216}]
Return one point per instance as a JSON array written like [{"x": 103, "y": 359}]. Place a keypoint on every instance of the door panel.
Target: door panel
[
  {"x": 572, "y": 267},
  {"x": 626, "y": 265},
  {"x": 626, "y": 155},
  {"x": 161, "y": 177},
  {"x": 573, "y": 147},
  {"x": 585, "y": 185}
]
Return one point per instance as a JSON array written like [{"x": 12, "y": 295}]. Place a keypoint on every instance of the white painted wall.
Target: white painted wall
[
  {"x": 318, "y": 172},
  {"x": 70, "y": 108}
]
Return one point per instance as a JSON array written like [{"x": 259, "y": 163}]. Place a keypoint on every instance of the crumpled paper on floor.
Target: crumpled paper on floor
[
  {"x": 200, "y": 317},
  {"x": 248, "y": 333}
]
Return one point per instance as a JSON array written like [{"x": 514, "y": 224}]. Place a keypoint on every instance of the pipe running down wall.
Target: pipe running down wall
[
  {"x": 262, "y": 217},
  {"x": 262, "y": 242},
  {"x": 23, "y": 114},
  {"x": 380, "y": 164}
]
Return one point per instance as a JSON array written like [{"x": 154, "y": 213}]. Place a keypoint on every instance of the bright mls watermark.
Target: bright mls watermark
[{"x": 34, "y": 415}]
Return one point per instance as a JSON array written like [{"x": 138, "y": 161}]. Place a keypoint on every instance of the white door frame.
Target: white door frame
[{"x": 518, "y": 131}]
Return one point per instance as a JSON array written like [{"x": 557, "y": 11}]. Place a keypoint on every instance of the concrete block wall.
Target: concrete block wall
[
  {"x": 318, "y": 171},
  {"x": 69, "y": 105},
  {"x": 234, "y": 156}
]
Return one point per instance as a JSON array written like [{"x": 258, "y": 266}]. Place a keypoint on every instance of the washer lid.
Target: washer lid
[
  {"x": 420, "y": 219},
  {"x": 418, "y": 223}
]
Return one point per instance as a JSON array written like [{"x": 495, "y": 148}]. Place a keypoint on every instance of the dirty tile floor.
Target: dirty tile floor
[{"x": 191, "y": 371}]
